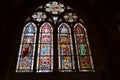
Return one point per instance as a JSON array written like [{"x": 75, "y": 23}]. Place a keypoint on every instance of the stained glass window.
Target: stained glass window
[
  {"x": 65, "y": 49},
  {"x": 84, "y": 57},
  {"x": 54, "y": 7},
  {"x": 27, "y": 49},
  {"x": 58, "y": 22},
  {"x": 45, "y": 49}
]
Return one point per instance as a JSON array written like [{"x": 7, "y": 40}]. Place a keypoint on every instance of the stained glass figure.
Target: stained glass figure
[
  {"x": 65, "y": 49},
  {"x": 82, "y": 49},
  {"x": 54, "y": 7},
  {"x": 45, "y": 49},
  {"x": 49, "y": 15},
  {"x": 27, "y": 49}
]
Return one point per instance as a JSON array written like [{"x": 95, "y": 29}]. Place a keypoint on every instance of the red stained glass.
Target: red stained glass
[
  {"x": 45, "y": 63},
  {"x": 26, "y": 52},
  {"x": 46, "y": 29},
  {"x": 45, "y": 49},
  {"x": 82, "y": 49},
  {"x": 79, "y": 29},
  {"x": 85, "y": 62},
  {"x": 54, "y": 13},
  {"x": 46, "y": 38}
]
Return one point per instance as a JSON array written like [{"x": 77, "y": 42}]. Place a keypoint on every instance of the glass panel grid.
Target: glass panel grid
[
  {"x": 27, "y": 49},
  {"x": 45, "y": 49},
  {"x": 84, "y": 57},
  {"x": 65, "y": 49}
]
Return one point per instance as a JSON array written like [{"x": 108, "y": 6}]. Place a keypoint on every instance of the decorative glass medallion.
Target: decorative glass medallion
[
  {"x": 54, "y": 7},
  {"x": 70, "y": 17},
  {"x": 39, "y": 16}
]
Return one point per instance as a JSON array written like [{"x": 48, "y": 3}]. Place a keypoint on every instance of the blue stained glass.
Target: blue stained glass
[
  {"x": 64, "y": 29},
  {"x": 55, "y": 21},
  {"x": 30, "y": 29},
  {"x": 65, "y": 49},
  {"x": 45, "y": 49},
  {"x": 29, "y": 35},
  {"x": 66, "y": 62},
  {"x": 25, "y": 63},
  {"x": 27, "y": 48}
]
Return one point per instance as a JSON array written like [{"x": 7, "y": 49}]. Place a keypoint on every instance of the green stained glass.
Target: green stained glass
[
  {"x": 72, "y": 41},
  {"x": 82, "y": 49}
]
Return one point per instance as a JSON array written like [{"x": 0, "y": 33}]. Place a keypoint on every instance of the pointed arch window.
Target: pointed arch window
[
  {"x": 27, "y": 49},
  {"x": 82, "y": 48},
  {"x": 45, "y": 49},
  {"x": 65, "y": 49},
  {"x": 54, "y": 38}
]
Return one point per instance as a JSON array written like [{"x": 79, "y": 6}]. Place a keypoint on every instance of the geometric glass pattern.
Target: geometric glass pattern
[
  {"x": 54, "y": 7},
  {"x": 70, "y": 17},
  {"x": 71, "y": 47},
  {"x": 65, "y": 49},
  {"x": 39, "y": 16},
  {"x": 83, "y": 52},
  {"x": 27, "y": 49},
  {"x": 45, "y": 49}
]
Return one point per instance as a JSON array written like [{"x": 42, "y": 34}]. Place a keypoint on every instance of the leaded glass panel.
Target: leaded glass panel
[
  {"x": 45, "y": 49},
  {"x": 82, "y": 49},
  {"x": 27, "y": 49},
  {"x": 65, "y": 49}
]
